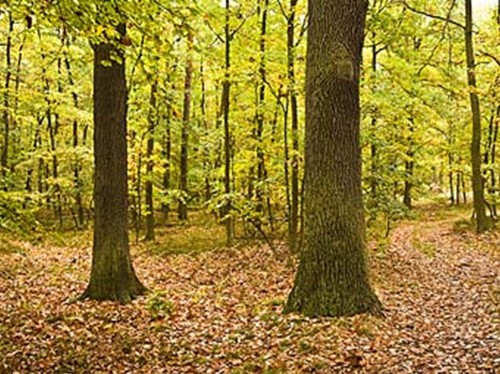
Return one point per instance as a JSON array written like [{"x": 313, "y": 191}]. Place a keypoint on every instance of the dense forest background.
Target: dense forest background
[{"x": 190, "y": 147}]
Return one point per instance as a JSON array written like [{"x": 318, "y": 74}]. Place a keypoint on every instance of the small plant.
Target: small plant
[{"x": 159, "y": 307}]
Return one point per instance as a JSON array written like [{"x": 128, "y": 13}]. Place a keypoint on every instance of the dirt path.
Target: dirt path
[
  {"x": 220, "y": 312},
  {"x": 443, "y": 311}
]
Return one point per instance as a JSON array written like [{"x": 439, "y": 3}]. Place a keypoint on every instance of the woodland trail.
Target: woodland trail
[
  {"x": 443, "y": 307},
  {"x": 220, "y": 312}
]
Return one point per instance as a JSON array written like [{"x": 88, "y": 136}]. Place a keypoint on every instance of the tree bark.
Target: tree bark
[
  {"x": 186, "y": 118},
  {"x": 77, "y": 181},
  {"x": 477, "y": 177},
  {"x": 167, "y": 152},
  {"x": 292, "y": 92},
  {"x": 409, "y": 166},
  {"x": 4, "y": 157},
  {"x": 148, "y": 188},
  {"x": 226, "y": 90},
  {"x": 332, "y": 278},
  {"x": 261, "y": 171},
  {"x": 112, "y": 276}
]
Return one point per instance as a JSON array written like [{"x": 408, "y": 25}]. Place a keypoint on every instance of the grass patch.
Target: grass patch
[
  {"x": 10, "y": 247},
  {"x": 428, "y": 249}
]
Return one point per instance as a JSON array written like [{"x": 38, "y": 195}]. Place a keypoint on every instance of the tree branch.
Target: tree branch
[{"x": 434, "y": 16}]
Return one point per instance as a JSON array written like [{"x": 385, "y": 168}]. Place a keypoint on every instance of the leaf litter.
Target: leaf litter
[{"x": 220, "y": 312}]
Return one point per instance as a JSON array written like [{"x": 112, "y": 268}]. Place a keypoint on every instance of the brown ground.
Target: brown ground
[{"x": 219, "y": 312}]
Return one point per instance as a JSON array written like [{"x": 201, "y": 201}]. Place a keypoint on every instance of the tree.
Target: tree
[
  {"x": 153, "y": 119},
  {"x": 186, "y": 117},
  {"x": 112, "y": 276},
  {"x": 477, "y": 175},
  {"x": 332, "y": 278},
  {"x": 293, "y": 226}
]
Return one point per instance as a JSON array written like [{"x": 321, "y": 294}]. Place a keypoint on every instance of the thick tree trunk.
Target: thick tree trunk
[
  {"x": 332, "y": 279},
  {"x": 148, "y": 188},
  {"x": 186, "y": 118},
  {"x": 112, "y": 276},
  {"x": 477, "y": 177}
]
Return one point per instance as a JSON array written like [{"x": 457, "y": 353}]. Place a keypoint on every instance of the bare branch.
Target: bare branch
[
  {"x": 434, "y": 16},
  {"x": 494, "y": 58}
]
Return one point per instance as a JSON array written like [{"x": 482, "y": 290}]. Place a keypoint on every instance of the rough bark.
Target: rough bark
[
  {"x": 332, "y": 278},
  {"x": 112, "y": 276}
]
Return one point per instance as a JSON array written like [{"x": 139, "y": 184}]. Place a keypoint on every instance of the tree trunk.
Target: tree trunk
[
  {"x": 77, "y": 181},
  {"x": 373, "y": 145},
  {"x": 167, "y": 153},
  {"x": 260, "y": 187},
  {"x": 477, "y": 177},
  {"x": 112, "y": 276},
  {"x": 4, "y": 157},
  {"x": 292, "y": 91},
  {"x": 148, "y": 188},
  {"x": 409, "y": 167},
  {"x": 206, "y": 149},
  {"x": 226, "y": 88},
  {"x": 186, "y": 118},
  {"x": 332, "y": 278}
]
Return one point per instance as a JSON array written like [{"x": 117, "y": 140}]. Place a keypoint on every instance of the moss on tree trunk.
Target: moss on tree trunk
[
  {"x": 112, "y": 275},
  {"x": 332, "y": 278}
]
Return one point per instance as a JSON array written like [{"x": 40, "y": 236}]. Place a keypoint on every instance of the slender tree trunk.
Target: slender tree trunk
[
  {"x": 332, "y": 279},
  {"x": 226, "y": 90},
  {"x": 373, "y": 145},
  {"x": 186, "y": 118},
  {"x": 148, "y": 188},
  {"x": 4, "y": 157},
  {"x": 167, "y": 157},
  {"x": 55, "y": 166},
  {"x": 494, "y": 153},
  {"x": 112, "y": 276},
  {"x": 77, "y": 181},
  {"x": 261, "y": 170},
  {"x": 409, "y": 167},
  {"x": 464, "y": 190},
  {"x": 17, "y": 84},
  {"x": 292, "y": 91},
  {"x": 477, "y": 177},
  {"x": 206, "y": 149},
  {"x": 167, "y": 148},
  {"x": 450, "y": 173}
]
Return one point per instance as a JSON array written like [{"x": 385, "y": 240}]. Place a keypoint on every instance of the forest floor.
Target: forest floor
[{"x": 220, "y": 311}]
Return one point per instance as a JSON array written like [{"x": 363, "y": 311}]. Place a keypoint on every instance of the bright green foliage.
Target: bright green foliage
[{"x": 415, "y": 106}]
